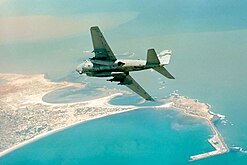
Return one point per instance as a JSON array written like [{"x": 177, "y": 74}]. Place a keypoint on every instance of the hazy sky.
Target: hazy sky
[
  {"x": 208, "y": 39},
  {"x": 50, "y": 36},
  {"x": 29, "y": 20}
]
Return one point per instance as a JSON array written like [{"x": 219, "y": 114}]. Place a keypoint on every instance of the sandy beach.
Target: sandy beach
[
  {"x": 22, "y": 101},
  {"x": 97, "y": 102}
]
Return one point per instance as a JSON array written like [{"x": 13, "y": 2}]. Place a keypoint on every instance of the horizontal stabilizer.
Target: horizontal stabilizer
[{"x": 164, "y": 72}]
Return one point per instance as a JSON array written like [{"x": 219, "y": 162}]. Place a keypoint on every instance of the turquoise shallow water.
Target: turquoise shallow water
[
  {"x": 143, "y": 136},
  {"x": 72, "y": 95},
  {"x": 133, "y": 100},
  {"x": 208, "y": 40}
]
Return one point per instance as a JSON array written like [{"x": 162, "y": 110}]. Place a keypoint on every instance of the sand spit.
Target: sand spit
[
  {"x": 201, "y": 110},
  {"x": 25, "y": 117}
]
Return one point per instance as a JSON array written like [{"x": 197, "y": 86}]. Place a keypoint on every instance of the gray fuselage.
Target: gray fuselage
[{"x": 101, "y": 68}]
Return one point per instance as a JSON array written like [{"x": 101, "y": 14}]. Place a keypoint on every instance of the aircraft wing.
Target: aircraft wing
[
  {"x": 101, "y": 48},
  {"x": 132, "y": 84}
]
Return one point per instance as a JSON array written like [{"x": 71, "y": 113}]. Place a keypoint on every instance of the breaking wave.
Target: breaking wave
[{"x": 240, "y": 149}]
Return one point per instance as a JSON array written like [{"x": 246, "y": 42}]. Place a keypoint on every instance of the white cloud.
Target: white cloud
[{"x": 37, "y": 28}]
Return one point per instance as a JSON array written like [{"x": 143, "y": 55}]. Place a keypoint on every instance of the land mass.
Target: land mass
[
  {"x": 195, "y": 108},
  {"x": 25, "y": 117}
]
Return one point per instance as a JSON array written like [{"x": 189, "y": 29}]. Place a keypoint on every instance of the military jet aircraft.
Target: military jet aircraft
[{"x": 105, "y": 64}]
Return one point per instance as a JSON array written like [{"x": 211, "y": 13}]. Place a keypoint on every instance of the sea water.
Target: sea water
[
  {"x": 219, "y": 81},
  {"x": 143, "y": 136},
  {"x": 73, "y": 94},
  {"x": 208, "y": 40}
]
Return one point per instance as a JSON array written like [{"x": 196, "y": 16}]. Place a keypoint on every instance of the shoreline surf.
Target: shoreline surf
[{"x": 103, "y": 100}]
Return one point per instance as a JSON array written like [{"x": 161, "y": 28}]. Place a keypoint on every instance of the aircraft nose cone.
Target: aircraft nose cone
[{"x": 79, "y": 69}]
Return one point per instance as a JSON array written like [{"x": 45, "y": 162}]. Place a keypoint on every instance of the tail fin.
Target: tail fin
[
  {"x": 159, "y": 61},
  {"x": 164, "y": 72},
  {"x": 152, "y": 58}
]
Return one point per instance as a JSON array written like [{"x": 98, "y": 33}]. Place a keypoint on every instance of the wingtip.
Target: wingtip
[{"x": 94, "y": 27}]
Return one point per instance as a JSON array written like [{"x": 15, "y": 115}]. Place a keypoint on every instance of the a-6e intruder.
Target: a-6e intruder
[{"x": 105, "y": 64}]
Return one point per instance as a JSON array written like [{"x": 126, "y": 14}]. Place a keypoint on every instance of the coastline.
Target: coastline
[
  {"x": 27, "y": 99},
  {"x": 102, "y": 101},
  {"x": 43, "y": 135},
  {"x": 196, "y": 109},
  {"x": 216, "y": 141},
  {"x": 21, "y": 99}
]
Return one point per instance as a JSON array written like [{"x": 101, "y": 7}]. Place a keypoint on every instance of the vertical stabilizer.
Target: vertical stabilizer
[{"x": 152, "y": 58}]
